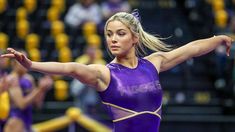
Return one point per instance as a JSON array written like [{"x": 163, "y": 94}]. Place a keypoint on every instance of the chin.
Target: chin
[{"x": 116, "y": 53}]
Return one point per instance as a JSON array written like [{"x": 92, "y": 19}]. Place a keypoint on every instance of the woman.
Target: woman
[
  {"x": 22, "y": 94},
  {"x": 129, "y": 85}
]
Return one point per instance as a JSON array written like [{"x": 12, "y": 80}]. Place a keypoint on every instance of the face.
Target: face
[{"x": 119, "y": 39}]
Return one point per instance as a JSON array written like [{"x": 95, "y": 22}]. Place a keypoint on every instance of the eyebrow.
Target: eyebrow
[{"x": 116, "y": 30}]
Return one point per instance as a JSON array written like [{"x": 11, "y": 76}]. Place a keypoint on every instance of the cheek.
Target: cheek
[
  {"x": 126, "y": 41},
  {"x": 108, "y": 42}
]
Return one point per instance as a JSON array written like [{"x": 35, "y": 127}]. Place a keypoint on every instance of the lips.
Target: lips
[{"x": 114, "y": 47}]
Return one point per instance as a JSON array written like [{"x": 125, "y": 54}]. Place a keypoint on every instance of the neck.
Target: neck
[{"x": 130, "y": 61}]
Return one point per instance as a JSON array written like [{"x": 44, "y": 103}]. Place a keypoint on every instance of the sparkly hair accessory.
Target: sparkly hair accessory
[{"x": 136, "y": 14}]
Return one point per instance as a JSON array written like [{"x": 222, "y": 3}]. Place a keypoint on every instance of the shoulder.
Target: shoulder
[
  {"x": 13, "y": 81},
  {"x": 104, "y": 75},
  {"x": 156, "y": 59},
  {"x": 102, "y": 69},
  {"x": 98, "y": 67}
]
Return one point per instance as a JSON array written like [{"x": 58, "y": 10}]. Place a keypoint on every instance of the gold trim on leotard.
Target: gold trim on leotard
[{"x": 134, "y": 113}]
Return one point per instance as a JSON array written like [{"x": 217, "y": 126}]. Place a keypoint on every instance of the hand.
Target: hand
[
  {"x": 227, "y": 41},
  {"x": 45, "y": 83},
  {"x": 20, "y": 57}
]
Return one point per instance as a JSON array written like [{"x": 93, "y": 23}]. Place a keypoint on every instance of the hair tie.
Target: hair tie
[{"x": 136, "y": 14}]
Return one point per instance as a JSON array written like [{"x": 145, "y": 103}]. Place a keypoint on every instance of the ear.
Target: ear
[{"x": 135, "y": 39}]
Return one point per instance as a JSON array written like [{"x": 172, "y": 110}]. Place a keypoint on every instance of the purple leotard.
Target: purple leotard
[
  {"x": 134, "y": 97},
  {"x": 26, "y": 114}
]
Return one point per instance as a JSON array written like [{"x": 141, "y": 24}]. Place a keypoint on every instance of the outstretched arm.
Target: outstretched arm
[
  {"x": 88, "y": 74},
  {"x": 166, "y": 60}
]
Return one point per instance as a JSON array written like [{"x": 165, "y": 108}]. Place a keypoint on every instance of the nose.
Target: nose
[{"x": 114, "y": 39}]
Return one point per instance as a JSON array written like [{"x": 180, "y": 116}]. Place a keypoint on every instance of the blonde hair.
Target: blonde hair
[{"x": 146, "y": 40}]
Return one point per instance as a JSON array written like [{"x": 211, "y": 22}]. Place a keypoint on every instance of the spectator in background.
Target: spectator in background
[
  {"x": 85, "y": 97},
  {"x": 220, "y": 66},
  {"x": 110, "y": 7},
  {"x": 23, "y": 93},
  {"x": 83, "y": 11}
]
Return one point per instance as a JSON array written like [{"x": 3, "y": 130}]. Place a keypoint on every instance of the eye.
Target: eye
[
  {"x": 121, "y": 33},
  {"x": 108, "y": 34}
]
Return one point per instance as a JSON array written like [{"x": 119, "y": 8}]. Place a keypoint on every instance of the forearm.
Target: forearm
[
  {"x": 204, "y": 46},
  {"x": 79, "y": 71},
  {"x": 52, "y": 68},
  {"x": 193, "y": 49},
  {"x": 29, "y": 99},
  {"x": 40, "y": 99}
]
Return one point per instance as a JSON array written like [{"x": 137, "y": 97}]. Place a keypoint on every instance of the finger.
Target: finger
[
  {"x": 19, "y": 56},
  {"x": 228, "y": 50},
  {"x": 8, "y": 56},
  {"x": 11, "y": 50}
]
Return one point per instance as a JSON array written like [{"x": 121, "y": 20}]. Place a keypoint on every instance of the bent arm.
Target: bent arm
[
  {"x": 20, "y": 101},
  {"x": 192, "y": 49},
  {"x": 17, "y": 96},
  {"x": 43, "y": 83}
]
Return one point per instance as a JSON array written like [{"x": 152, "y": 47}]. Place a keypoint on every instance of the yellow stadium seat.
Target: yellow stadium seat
[
  {"x": 4, "y": 105},
  {"x": 21, "y": 14},
  {"x": 217, "y": 5},
  {"x": 57, "y": 27},
  {"x": 32, "y": 41},
  {"x": 22, "y": 28},
  {"x": 61, "y": 40},
  {"x": 53, "y": 14},
  {"x": 30, "y": 5},
  {"x": 221, "y": 18},
  {"x": 89, "y": 28},
  {"x": 3, "y": 5},
  {"x": 4, "y": 39},
  {"x": 202, "y": 97},
  {"x": 60, "y": 4},
  {"x": 94, "y": 40},
  {"x": 61, "y": 90},
  {"x": 34, "y": 54},
  {"x": 65, "y": 54}
]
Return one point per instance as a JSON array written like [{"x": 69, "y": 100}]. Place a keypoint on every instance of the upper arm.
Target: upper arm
[
  {"x": 95, "y": 75},
  {"x": 167, "y": 60}
]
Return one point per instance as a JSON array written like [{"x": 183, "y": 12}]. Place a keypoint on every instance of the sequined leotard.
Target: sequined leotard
[
  {"x": 134, "y": 97},
  {"x": 26, "y": 114}
]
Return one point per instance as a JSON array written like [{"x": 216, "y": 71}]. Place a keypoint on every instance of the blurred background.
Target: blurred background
[{"x": 198, "y": 94}]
